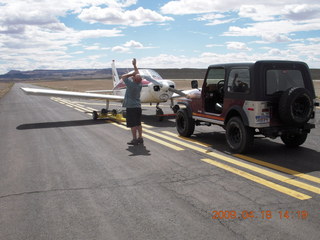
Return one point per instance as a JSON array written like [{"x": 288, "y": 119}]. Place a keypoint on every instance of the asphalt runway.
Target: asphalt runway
[{"x": 65, "y": 176}]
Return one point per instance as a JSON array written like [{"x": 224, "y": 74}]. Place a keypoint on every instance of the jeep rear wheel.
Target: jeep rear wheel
[
  {"x": 293, "y": 139},
  {"x": 239, "y": 137},
  {"x": 295, "y": 106},
  {"x": 185, "y": 124}
]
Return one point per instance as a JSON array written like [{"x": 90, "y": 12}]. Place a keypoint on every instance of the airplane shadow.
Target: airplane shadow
[
  {"x": 153, "y": 120},
  {"x": 138, "y": 150},
  {"x": 61, "y": 124}
]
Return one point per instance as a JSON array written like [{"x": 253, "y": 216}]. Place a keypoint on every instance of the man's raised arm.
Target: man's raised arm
[{"x": 135, "y": 72}]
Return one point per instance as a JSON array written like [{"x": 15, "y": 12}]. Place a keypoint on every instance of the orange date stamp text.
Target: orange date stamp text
[{"x": 261, "y": 214}]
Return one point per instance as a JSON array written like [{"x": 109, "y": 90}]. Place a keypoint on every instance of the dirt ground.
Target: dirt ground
[
  {"x": 101, "y": 84},
  {"x": 105, "y": 84}
]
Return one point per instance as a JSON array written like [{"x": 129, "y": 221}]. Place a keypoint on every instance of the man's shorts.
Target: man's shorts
[{"x": 133, "y": 116}]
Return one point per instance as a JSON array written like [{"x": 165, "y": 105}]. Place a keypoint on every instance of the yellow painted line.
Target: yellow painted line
[
  {"x": 267, "y": 173},
  {"x": 186, "y": 139},
  {"x": 170, "y": 139},
  {"x": 71, "y": 104},
  {"x": 259, "y": 180},
  {"x": 118, "y": 125},
  {"x": 174, "y": 147},
  {"x": 146, "y": 125},
  {"x": 244, "y": 165},
  {"x": 279, "y": 168},
  {"x": 103, "y": 104},
  {"x": 91, "y": 109},
  {"x": 80, "y": 110}
]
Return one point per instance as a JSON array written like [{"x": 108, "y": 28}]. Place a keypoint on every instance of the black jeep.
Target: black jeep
[{"x": 272, "y": 98}]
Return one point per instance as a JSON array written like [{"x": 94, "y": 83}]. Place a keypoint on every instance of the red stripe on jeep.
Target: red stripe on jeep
[{"x": 208, "y": 116}]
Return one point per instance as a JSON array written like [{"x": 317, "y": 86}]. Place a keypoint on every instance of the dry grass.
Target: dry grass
[{"x": 4, "y": 88}]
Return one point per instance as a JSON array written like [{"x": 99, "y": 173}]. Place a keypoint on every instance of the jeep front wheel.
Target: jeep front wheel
[
  {"x": 185, "y": 124},
  {"x": 293, "y": 139},
  {"x": 239, "y": 137}
]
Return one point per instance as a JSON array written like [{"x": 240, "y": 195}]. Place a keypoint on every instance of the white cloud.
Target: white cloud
[
  {"x": 35, "y": 34},
  {"x": 181, "y": 7},
  {"x": 274, "y": 21},
  {"x": 118, "y": 16},
  {"x": 238, "y": 46},
  {"x": 301, "y": 12},
  {"x": 273, "y": 31},
  {"x": 120, "y": 49},
  {"x": 214, "y": 19},
  {"x": 259, "y": 12},
  {"x": 133, "y": 44},
  {"x": 129, "y": 46}
]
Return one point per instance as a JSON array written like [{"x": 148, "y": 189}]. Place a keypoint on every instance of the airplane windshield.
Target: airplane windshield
[{"x": 149, "y": 73}]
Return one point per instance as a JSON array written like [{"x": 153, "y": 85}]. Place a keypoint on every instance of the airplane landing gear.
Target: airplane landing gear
[
  {"x": 95, "y": 115},
  {"x": 105, "y": 114},
  {"x": 159, "y": 113}
]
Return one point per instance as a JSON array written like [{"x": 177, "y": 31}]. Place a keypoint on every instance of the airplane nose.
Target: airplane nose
[{"x": 165, "y": 86}]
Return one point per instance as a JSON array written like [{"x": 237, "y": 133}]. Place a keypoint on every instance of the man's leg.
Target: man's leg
[
  {"x": 139, "y": 128},
  {"x": 134, "y": 140},
  {"x": 134, "y": 132}
]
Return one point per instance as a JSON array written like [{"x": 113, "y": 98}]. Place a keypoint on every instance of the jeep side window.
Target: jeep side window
[
  {"x": 215, "y": 75},
  {"x": 281, "y": 79},
  {"x": 239, "y": 81}
]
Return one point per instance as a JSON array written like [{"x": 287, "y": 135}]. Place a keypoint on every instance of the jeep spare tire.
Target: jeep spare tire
[
  {"x": 295, "y": 106},
  {"x": 185, "y": 124}
]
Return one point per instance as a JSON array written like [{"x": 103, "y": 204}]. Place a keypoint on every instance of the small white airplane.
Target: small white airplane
[{"x": 154, "y": 90}]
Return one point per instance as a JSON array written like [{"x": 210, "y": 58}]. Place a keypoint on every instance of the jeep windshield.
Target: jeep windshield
[{"x": 279, "y": 80}]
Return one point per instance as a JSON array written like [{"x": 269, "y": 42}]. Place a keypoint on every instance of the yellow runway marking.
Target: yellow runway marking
[
  {"x": 174, "y": 147},
  {"x": 244, "y": 165},
  {"x": 146, "y": 125},
  {"x": 186, "y": 139},
  {"x": 259, "y": 180},
  {"x": 279, "y": 168},
  {"x": 267, "y": 173}
]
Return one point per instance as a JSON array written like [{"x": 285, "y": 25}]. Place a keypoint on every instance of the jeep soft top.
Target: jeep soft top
[{"x": 272, "y": 98}]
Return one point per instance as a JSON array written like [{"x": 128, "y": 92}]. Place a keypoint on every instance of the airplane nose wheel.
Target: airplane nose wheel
[
  {"x": 95, "y": 115},
  {"x": 159, "y": 114}
]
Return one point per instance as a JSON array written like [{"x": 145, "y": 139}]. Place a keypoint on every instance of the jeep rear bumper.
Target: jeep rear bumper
[{"x": 273, "y": 132}]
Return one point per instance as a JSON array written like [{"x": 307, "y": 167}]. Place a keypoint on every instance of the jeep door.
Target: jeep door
[{"x": 213, "y": 90}]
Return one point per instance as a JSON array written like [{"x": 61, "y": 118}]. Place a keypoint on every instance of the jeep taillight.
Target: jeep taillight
[{"x": 263, "y": 110}]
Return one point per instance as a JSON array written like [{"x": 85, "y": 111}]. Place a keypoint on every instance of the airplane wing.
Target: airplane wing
[
  {"x": 58, "y": 93},
  {"x": 184, "y": 93},
  {"x": 100, "y": 91}
]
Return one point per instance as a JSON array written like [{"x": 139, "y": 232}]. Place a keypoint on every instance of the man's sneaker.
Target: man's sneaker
[
  {"x": 140, "y": 140},
  {"x": 133, "y": 142}
]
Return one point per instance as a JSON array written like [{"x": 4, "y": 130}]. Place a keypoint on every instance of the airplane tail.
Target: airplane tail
[{"x": 115, "y": 75}]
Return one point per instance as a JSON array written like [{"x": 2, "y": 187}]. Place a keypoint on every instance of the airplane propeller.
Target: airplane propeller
[
  {"x": 179, "y": 92},
  {"x": 171, "y": 89}
]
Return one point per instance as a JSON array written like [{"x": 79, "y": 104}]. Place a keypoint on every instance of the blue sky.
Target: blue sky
[{"x": 55, "y": 34}]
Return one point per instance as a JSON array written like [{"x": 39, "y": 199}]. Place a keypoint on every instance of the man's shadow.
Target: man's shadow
[{"x": 138, "y": 150}]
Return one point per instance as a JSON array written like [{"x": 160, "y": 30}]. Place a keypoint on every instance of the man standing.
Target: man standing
[{"x": 132, "y": 103}]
